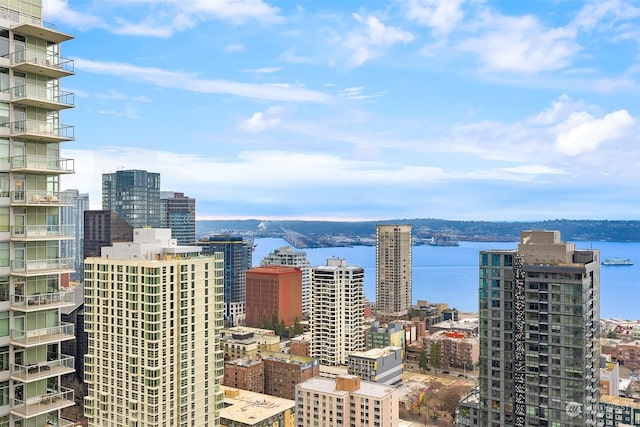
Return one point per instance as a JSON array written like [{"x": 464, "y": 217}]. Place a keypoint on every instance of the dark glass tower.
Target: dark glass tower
[
  {"x": 238, "y": 258},
  {"x": 135, "y": 196},
  {"x": 539, "y": 320}
]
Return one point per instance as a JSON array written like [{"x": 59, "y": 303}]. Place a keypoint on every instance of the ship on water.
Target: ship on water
[{"x": 617, "y": 261}]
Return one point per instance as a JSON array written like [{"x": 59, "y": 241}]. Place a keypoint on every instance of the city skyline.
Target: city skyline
[{"x": 458, "y": 109}]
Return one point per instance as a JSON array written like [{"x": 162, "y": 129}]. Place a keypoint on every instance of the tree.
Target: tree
[
  {"x": 297, "y": 327},
  {"x": 436, "y": 355},
  {"x": 423, "y": 362},
  {"x": 447, "y": 400}
]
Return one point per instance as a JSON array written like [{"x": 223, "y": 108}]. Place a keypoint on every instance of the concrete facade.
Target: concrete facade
[
  {"x": 393, "y": 270},
  {"x": 379, "y": 365},
  {"x": 153, "y": 314},
  {"x": 337, "y": 315},
  {"x": 346, "y": 400}
]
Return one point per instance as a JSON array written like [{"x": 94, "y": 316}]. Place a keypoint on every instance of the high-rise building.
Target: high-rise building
[
  {"x": 337, "y": 311},
  {"x": 153, "y": 314},
  {"x": 393, "y": 270},
  {"x": 103, "y": 228},
  {"x": 539, "y": 321},
  {"x": 72, "y": 215},
  {"x": 346, "y": 400},
  {"x": 287, "y": 256},
  {"x": 238, "y": 257},
  {"x": 31, "y": 265},
  {"x": 179, "y": 214},
  {"x": 134, "y": 195},
  {"x": 274, "y": 293}
]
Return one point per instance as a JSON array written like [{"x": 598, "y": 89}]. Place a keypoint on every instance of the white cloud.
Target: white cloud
[
  {"x": 261, "y": 121},
  {"x": 148, "y": 28},
  {"x": 522, "y": 45},
  {"x": 59, "y": 11},
  {"x": 594, "y": 13},
  {"x": 186, "y": 81},
  {"x": 234, "y": 48},
  {"x": 582, "y": 132},
  {"x": 357, "y": 93},
  {"x": 162, "y": 18},
  {"x": 440, "y": 15},
  {"x": 370, "y": 41},
  {"x": 552, "y": 114},
  {"x": 263, "y": 70}
]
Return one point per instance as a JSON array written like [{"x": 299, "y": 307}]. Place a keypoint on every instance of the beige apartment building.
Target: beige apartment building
[
  {"x": 393, "y": 270},
  {"x": 153, "y": 314},
  {"x": 32, "y": 269},
  {"x": 346, "y": 400}
]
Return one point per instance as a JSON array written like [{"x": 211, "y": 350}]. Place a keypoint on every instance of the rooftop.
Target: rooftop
[
  {"x": 620, "y": 401},
  {"x": 375, "y": 353},
  {"x": 252, "y": 408},
  {"x": 328, "y": 386}
]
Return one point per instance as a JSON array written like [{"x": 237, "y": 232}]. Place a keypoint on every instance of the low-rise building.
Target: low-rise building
[
  {"x": 246, "y": 373},
  {"x": 457, "y": 349},
  {"x": 346, "y": 400},
  {"x": 384, "y": 335},
  {"x": 379, "y": 365},
  {"x": 301, "y": 344},
  {"x": 468, "y": 412},
  {"x": 283, "y": 371},
  {"x": 609, "y": 376},
  {"x": 244, "y": 408},
  {"x": 619, "y": 411},
  {"x": 240, "y": 341}
]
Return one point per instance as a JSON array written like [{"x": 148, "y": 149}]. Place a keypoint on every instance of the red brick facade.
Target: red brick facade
[{"x": 273, "y": 290}]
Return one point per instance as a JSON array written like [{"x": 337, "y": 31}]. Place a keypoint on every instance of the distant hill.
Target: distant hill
[{"x": 571, "y": 230}]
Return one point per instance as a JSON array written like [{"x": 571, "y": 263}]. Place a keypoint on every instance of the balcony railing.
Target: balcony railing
[
  {"x": 30, "y": 25},
  {"x": 41, "y": 130},
  {"x": 42, "y": 301},
  {"x": 42, "y": 232},
  {"x": 51, "y": 401},
  {"x": 44, "y": 164},
  {"x": 62, "y": 365},
  {"x": 41, "y": 62},
  {"x": 27, "y": 338},
  {"x": 39, "y": 266},
  {"x": 34, "y": 197},
  {"x": 42, "y": 96}
]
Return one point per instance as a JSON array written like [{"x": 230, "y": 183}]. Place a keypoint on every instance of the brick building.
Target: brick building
[
  {"x": 246, "y": 373},
  {"x": 273, "y": 290},
  {"x": 283, "y": 371}
]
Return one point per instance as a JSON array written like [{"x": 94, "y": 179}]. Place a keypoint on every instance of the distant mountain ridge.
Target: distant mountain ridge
[{"x": 571, "y": 230}]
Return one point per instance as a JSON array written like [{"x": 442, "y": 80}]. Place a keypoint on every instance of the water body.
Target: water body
[{"x": 450, "y": 274}]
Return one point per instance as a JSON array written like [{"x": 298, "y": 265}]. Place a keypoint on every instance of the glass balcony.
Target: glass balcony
[
  {"x": 41, "y": 164},
  {"x": 41, "y": 130},
  {"x": 41, "y": 266},
  {"x": 37, "y": 302},
  {"x": 35, "y": 337},
  {"x": 42, "y": 63},
  {"x": 41, "y": 404},
  {"x": 34, "y": 198},
  {"x": 42, "y": 232},
  {"x": 61, "y": 365},
  {"x": 40, "y": 96}
]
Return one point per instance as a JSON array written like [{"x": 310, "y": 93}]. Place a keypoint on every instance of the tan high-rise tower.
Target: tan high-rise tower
[
  {"x": 393, "y": 270},
  {"x": 153, "y": 314}
]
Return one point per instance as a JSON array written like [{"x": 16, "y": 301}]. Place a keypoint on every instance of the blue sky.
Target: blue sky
[{"x": 457, "y": 109}]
